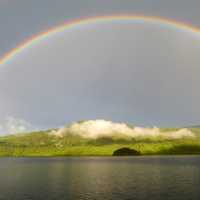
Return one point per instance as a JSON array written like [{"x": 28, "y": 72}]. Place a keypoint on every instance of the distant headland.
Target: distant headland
[{"x": 102, "y": 138}]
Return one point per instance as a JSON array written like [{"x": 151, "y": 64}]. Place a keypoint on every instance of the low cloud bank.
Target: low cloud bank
[
  {"x": 12, "y": 125},
  {"x": 94, "y": 129}
]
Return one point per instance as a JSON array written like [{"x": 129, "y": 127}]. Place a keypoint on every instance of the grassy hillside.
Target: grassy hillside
[{"x": 45, "y": 144}]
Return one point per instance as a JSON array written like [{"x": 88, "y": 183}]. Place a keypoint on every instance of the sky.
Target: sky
[{"x": 140, "y": 73}]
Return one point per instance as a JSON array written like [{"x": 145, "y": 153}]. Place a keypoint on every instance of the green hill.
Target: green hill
[{"x": 45, "y": 144}]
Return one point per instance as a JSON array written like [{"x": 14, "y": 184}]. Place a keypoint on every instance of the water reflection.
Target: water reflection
[{"x": 100, "y": 178}]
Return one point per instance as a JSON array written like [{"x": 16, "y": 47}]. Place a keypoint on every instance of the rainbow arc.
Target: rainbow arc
[{"x": 71, "y": 24}]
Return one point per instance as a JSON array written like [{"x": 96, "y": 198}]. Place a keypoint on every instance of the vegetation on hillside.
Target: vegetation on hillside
[{"x": 45, "y": 144}]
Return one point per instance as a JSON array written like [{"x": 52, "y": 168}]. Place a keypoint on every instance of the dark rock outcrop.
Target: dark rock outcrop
[{"x": 126, "y": 152}]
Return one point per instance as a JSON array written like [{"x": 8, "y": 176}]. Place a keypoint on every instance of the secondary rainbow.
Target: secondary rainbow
[{"x": 84, "y": 21}]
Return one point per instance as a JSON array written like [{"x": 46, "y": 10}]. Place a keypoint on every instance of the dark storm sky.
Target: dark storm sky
[{"x": 143, "y": 74}]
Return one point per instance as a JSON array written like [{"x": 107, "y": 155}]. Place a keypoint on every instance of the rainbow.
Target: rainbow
[{"x": 70, "y": 24}]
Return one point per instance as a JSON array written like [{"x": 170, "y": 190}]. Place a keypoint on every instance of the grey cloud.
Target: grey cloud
[{"x": 136, "y": 72}]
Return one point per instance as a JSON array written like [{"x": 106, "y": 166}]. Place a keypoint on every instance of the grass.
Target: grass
[{"x": 44, "y": 144}]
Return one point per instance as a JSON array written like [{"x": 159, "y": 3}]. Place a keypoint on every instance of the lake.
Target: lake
[{"x": 100, "y": 178}]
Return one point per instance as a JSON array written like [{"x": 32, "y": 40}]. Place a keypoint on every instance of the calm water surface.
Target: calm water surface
[{"x": 95, "y": 178}]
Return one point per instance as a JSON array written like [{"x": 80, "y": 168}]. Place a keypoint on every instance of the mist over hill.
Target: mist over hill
[
  {"x": 101, "y": 138},
  {"x": 94, "y": 129}
]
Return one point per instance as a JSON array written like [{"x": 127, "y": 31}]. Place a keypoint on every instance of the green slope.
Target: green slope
[{"x": 44, "y": 144}]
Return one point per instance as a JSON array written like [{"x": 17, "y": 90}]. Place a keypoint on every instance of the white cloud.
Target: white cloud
[
  {"x": 13, "y": 125},
  {"x": 94, "y": 129}
]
